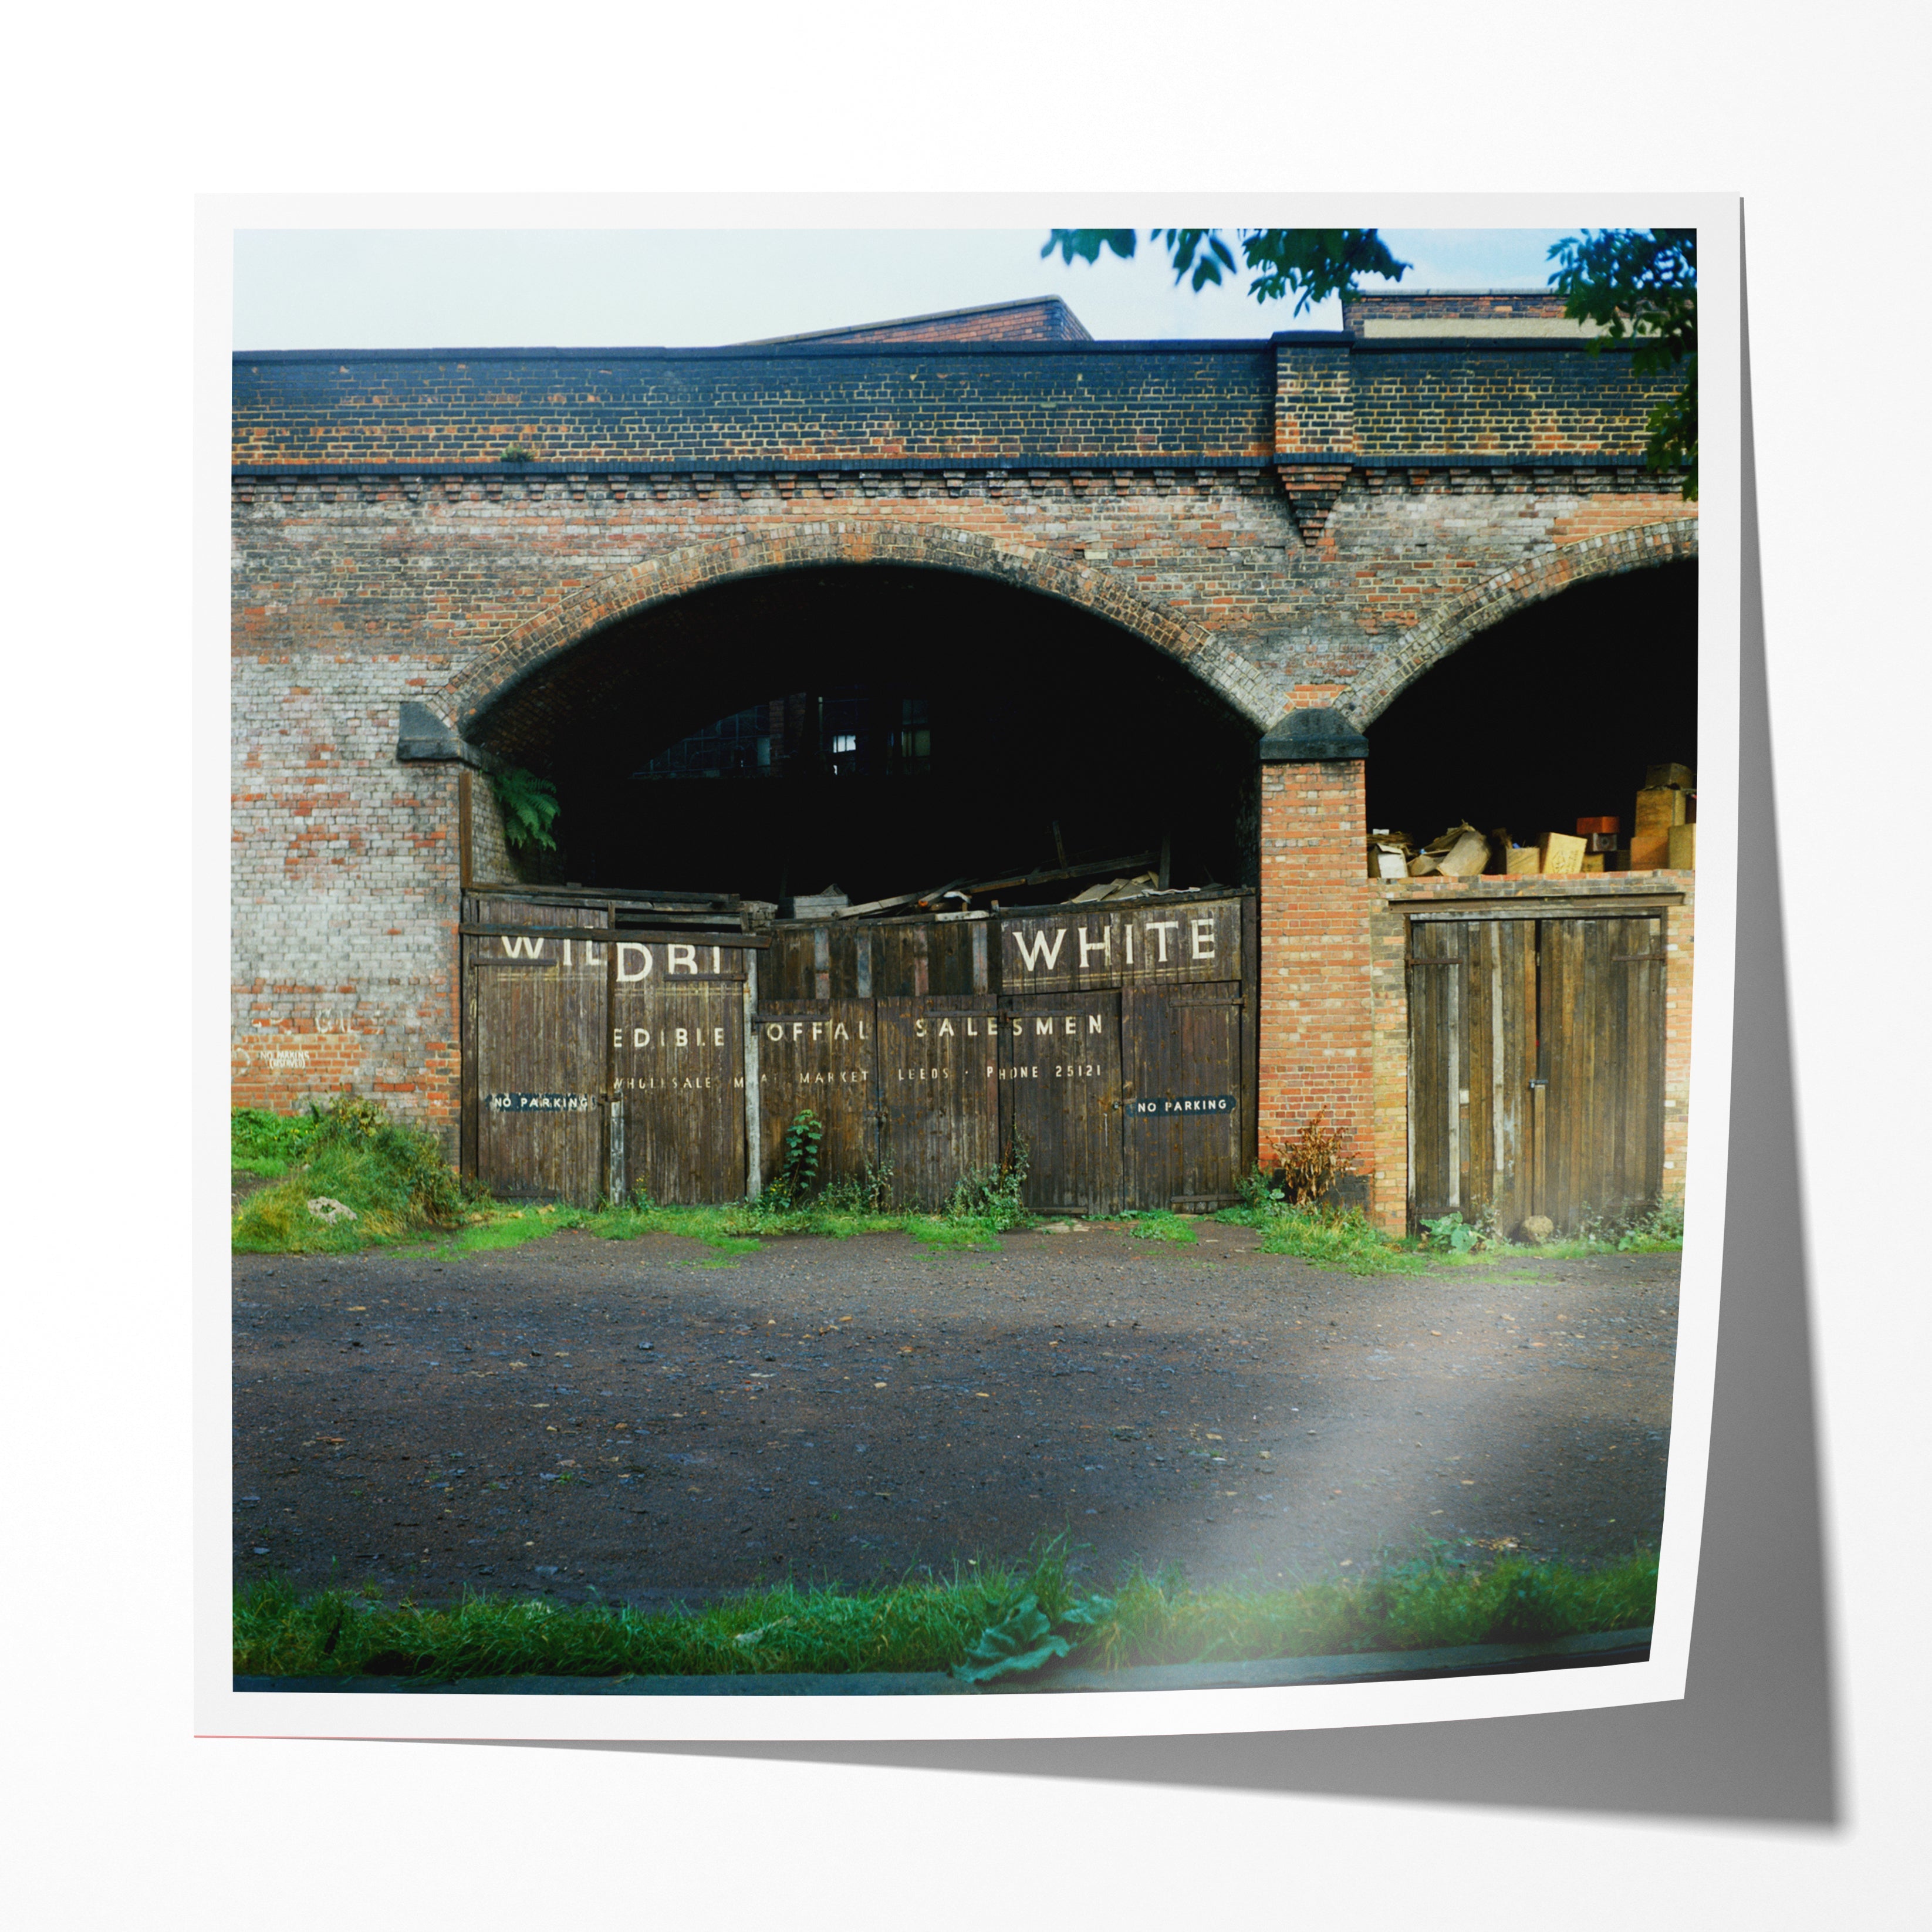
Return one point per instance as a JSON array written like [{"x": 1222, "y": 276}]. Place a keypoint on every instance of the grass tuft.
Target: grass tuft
[
  {"x": 393, "y": 1177},
  {"x": 933, "y": 1625},
  {"x": 1347, "y": 1241}
]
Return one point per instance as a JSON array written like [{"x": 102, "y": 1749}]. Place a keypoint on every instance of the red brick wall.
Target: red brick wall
[{"x": 1315, "y": 1031}]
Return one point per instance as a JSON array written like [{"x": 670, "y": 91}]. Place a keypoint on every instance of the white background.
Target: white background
[{"x": 120, "y": 1816}]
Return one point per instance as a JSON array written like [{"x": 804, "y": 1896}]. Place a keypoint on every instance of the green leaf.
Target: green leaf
[
  {"x": 1023, "y": 1640},
  {"x": 1086, "y": 243}
]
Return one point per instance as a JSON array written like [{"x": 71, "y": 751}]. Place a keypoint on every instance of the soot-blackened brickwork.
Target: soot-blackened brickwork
[
  {"x": 1310, "y": 520},
  {"x": 804, "y": 405}
]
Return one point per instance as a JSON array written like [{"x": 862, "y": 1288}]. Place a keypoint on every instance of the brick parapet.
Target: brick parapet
[{"x": 1299, "y": 397}]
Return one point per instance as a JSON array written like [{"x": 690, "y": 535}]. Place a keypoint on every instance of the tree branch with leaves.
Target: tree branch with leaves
[
  {"x": 1640, "y": 285},
  {"x": 1636, "y": 285}
]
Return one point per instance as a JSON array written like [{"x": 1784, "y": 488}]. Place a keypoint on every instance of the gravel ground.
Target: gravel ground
[{"x": 661, "y": 1421}]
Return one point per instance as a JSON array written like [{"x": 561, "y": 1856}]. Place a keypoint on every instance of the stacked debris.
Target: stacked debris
[
  {"x": 1666, "y": 832},
  {"x": 1134, "y": 875},
  {"x": 1665, "y": 836}
]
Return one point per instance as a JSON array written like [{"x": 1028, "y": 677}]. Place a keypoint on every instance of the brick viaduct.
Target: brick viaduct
[{"x": 1307, "y": 522}]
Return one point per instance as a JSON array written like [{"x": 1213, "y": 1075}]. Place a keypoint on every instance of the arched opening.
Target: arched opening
[
  {"x": 1552, "y": 715},
  {"x": 882, "y": 728}
]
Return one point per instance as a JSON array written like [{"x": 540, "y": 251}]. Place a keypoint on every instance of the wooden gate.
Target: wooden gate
[
  {"x": 1114, "y": 1043},
  {"x": 604, "y": 1044},
  {"x": 1536, "y": 1065}
]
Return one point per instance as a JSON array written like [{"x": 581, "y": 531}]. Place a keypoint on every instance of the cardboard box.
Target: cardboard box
[
  {"x": 1521, "y": 861},
  {"x": 1593, "y": 862},
  {"x": 1660, "y": 807},
  {"x": 1650, "y": 851},
  {"x": 1467, "y": 857},
  {"x": 1681, "y": 776},
  {"x": 1683, "y": 848},
  {"x": 1560, "y": 854}
]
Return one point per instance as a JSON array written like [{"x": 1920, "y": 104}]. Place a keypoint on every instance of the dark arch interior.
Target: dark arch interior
[
  {"x": 1552, "y": 715},
  {"x": 918, "y": 726}
]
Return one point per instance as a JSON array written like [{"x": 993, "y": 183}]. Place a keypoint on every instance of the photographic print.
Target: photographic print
[{"x": 974, "y": 1014}]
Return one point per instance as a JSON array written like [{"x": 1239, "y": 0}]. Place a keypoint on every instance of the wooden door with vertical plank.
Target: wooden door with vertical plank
[
  {"x": 819, "y": 1054},
  {"x": 534, "y": 1013},
  {"x": 938, "y": 1095},
  {"x": 1536, "y": 1068},
  {"x": 679, "y": 1037},
  {"x": 1498, "y": 1006},
  {"x": 1060, "y": 1092},
  {"x": 1601, "y": 1027},
  {"x": 1437, "y": 1056},
  {"x": 1181, "y": 1089}
]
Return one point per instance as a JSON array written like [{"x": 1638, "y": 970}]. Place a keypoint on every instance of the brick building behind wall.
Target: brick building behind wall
[{"x": 1306, "y": 523}]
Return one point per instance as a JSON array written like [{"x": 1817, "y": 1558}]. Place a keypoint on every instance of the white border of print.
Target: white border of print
[{"x": 220, "y": 1711}]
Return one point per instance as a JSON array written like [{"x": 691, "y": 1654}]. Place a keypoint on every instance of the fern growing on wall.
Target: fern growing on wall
[{"x": 529, "y": 805}]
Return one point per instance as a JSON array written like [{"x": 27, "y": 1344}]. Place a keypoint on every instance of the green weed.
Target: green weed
[
  {"x": 986, "y": 1622},
  {"x": 393, "y": 1178},
  {"x": 267, "y": 1144},
  {"x": 1346, "y": 1240},
  {"x": 1430, "y": 1603},
  {"x": 1159, "y": 1225}
]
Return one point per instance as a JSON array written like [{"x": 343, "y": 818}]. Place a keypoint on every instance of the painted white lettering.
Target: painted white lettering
[
  {"x": 774, "y": 1032},
  {"x": 626, "y": 972},
  {"x": 717, "y": 959},
  {"x": 817, "y": 1028},
  {"x": 1204, "y": 938},
  {"x": 919, "y": 1028},
  {"x": 717, "y": 1035},
  {"x": 1093, "y": 1022},
  {"x": 1104, "y": 945},
  {"x": 1045, "y": 1026},
  {"x": 839, "y": 1032},
  {"x": 1072, "y": 1024},
  {"x": 1161, "y": 928},
  {"x": 970, "y": 1033},
  {"x": 566, "y": 952},
  {"x": 1130, "y": 945},
  {"x": 1034, "y": 951},
  {"x": 686, "y": 956},
  {"x": 516, "y": 948},
  {"x": 798, "y": 1029},
  {"x": 683, "y": 1036},
  {"x": 640, "y": 1036},
  {"x": 945, "y": 1027}
]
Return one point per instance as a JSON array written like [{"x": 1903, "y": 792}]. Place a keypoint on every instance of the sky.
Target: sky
[{"x": 317, "y": 288}]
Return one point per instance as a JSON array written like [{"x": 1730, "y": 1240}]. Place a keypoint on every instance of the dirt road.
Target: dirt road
[{"x": 660, "y": 1421}]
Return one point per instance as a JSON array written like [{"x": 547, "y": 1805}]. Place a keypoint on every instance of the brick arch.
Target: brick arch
[
  {"x": 1375, "y": 688},
  {"x": 1256, "y": 693}
]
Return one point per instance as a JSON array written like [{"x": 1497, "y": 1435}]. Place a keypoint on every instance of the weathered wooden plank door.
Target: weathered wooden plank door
[
  {"x": 678, "y": 1047},
  {"x": 820, "y": 1054},
  {"x": 1060, "y": 1093},
  {"x": 1600, "y": 1027},
  {"x": 1536, "y": 1065},
  {"x": 938, "y": 1095},
  {"x": 1439, "y": 1051},
  {"x": 1181, "y": 1053},
  {"x": 535, "y": 1014}
]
